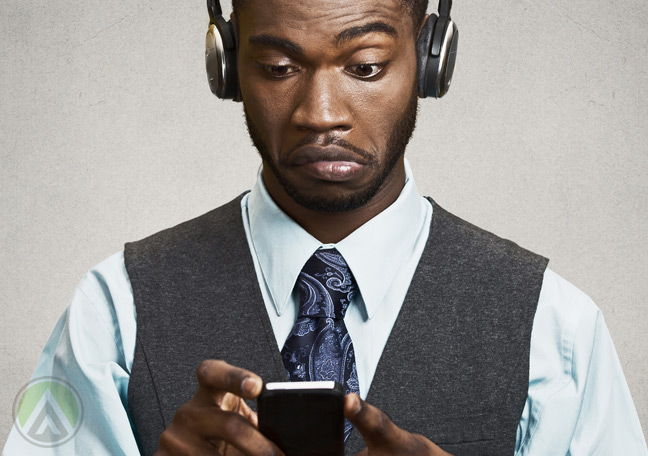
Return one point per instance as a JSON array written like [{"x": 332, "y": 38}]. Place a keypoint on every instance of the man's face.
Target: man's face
[{"x": 329, "y": 95}]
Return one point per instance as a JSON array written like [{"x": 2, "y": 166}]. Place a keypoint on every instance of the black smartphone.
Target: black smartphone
[{"x": 303, "y": 418}]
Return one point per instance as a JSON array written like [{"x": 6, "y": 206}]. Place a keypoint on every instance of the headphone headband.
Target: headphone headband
[
  {"x": 214, "y": 9},
  {"x": 444, "y": 8}
]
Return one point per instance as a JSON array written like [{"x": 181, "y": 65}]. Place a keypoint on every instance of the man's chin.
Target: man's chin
[
  {"x": 331, "y": 196},
  {"x": 328, "y": 204}
]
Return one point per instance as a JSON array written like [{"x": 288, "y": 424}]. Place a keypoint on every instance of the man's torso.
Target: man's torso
[{"x": 455, "y": 367}]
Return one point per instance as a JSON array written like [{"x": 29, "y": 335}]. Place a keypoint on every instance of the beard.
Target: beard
[{"x": 396, "y": 144}]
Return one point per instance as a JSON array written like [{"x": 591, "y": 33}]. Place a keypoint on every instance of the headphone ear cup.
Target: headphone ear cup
[
  {"x": 234, "y": 62},
  {"x": 441, "y": 61},
  {"x": 448, "y": 58},
  {"x": 220, "y": 59},
  {"x": 423, "y": 54}
]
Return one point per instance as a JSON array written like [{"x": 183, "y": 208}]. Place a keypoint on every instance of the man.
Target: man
[{"x": 467, "y": 342}]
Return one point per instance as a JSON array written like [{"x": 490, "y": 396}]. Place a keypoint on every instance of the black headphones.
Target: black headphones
[{"x": 436, "y": 50}]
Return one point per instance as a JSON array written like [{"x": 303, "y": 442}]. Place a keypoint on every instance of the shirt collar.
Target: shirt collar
[{"x": 374, "y": 252}]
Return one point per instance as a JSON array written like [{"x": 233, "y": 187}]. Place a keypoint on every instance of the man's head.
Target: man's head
[
  {"x": 329, "y": 89},
  {"x": 415, "y": 8}
]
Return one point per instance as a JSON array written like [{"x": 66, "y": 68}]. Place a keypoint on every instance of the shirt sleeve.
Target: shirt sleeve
[
  {"x": 91, "y": 349},
  {"x": 579, "y": 403}
]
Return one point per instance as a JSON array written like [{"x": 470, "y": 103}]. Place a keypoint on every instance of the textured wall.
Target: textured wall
[{"x": 108, "y": 132}]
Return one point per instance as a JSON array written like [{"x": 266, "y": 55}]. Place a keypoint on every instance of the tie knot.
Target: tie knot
[{"x": 326, "y": 285}]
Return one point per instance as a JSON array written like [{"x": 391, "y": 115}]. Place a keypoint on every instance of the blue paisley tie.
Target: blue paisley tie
[{"x": 319, "y": 346}]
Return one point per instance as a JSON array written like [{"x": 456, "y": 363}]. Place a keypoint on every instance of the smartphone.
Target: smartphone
[{"x": 303, "y": 418}]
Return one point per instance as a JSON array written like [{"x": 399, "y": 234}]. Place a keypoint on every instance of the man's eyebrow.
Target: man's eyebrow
[
  {"x": 355, "y": 32},
  {"x": 275, "y": 41}
]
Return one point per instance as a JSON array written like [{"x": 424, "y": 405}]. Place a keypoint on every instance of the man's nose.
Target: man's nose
[{"x": 321, "y": 103}]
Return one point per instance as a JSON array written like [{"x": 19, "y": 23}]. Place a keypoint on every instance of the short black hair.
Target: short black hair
[{"x": 416, "y": 9}]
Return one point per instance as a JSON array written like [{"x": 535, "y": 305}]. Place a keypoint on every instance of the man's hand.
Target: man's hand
[
  {"x": 217, "y": 420},
  {"x": 382, "y": 436}
]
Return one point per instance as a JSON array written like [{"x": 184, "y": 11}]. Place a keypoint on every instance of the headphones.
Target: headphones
[{"x": 436, "y": 52}]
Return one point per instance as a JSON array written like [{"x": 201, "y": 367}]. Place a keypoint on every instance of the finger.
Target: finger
[
  {"x": 239, "y": 432},
  {"x": 175, "y": 442},
  {"x": 209, "y": 424},
  {"x": 374, "y": 425},
  {"x": 250, "y": 414},
  {"x": 232, "y": 403},
  {"x": 218, "y": 377}
]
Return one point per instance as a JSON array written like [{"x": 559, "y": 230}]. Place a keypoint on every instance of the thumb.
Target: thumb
[
  {"x": 381, "y": 435},
  {"x": 374, "y": 425}
]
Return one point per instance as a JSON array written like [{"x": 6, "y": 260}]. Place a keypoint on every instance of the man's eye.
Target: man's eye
[
  {"x": 365, "y": 70},
  {"x": 278, "y": 71}
]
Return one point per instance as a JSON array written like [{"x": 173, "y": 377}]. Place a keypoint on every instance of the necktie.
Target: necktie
[{"x": 319, "y": 346}]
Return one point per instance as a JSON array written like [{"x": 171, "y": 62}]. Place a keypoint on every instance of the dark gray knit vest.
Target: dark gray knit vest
[{"x": 455, "y": 368}]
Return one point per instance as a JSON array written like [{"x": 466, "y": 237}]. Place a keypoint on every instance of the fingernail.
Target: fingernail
[{"x": 250, "y": 385}]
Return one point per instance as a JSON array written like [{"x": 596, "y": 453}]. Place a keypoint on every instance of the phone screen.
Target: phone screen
[{"x": 303, "y": 418}]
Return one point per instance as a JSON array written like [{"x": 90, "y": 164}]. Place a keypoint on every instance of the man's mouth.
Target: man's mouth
[{"x": 330, "y": 163}]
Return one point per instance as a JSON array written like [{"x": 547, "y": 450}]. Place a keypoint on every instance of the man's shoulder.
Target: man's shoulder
[
  {"x": 223, "y": 219},
  {"x": 460, "y": 238},
  {"x": 214, "y": 237},
  {"x": 565, "y": 306}
]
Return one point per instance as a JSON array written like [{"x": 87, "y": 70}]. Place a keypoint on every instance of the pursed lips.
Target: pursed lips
[
  {"x": 311, "y": 154},
  {"x": 329, "y": 163}
]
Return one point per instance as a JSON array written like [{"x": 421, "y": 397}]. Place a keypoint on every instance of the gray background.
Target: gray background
[{"x": 108, "y": 132}]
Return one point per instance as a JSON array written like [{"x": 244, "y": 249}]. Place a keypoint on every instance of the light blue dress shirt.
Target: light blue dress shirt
[{"x": 578, "y": 401}]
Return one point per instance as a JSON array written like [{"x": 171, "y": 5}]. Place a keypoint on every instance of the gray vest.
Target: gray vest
[{"x": 455, "y": 368}]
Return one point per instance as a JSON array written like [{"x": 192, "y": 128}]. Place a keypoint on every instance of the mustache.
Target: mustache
[{"x": 315, "y": 139}]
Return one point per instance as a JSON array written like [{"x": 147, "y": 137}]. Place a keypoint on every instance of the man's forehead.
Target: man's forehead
[{"x": 324, "y": 15}]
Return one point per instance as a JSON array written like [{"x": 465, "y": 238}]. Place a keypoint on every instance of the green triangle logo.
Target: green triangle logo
[{"x": 48, "y": 412}]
